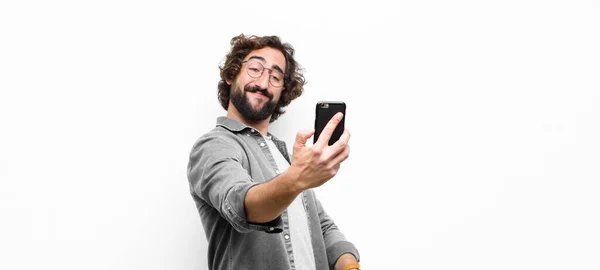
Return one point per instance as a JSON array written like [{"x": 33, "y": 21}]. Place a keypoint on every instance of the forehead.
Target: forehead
[{"x": 272, "y": 57}]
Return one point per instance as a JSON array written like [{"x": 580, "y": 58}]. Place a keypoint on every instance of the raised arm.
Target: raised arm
[{"x": 311, "y": 167}]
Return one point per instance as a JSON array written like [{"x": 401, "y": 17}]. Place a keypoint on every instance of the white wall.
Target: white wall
[{"x": 475, "y": 128}]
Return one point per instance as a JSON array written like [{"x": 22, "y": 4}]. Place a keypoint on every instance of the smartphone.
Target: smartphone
[{"x": 325, "y": 110}]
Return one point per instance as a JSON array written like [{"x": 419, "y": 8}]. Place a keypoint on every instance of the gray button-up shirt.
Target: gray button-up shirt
[{"x": 224, "y": 164}]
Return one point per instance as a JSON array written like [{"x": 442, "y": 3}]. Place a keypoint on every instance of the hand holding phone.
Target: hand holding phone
[{"x": 314, "y": 165}]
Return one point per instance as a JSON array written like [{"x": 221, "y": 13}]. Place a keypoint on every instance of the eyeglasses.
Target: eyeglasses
[{"x": 255, "y": 69}]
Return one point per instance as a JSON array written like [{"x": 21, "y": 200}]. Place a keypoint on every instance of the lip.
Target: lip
[{"x": 258, "y": 94}]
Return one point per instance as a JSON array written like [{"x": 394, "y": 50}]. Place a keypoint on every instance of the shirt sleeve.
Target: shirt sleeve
[
  {"x": 335, "y": 242},
  {"x": 217, "y": 177}
]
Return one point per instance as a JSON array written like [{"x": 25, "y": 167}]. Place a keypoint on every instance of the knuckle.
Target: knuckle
[
  {"x": 323, "y": 161},
  {"x": 332, "y": 172}
]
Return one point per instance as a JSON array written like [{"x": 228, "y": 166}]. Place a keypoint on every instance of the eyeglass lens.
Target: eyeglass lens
[{"x": 255, "y": 70}]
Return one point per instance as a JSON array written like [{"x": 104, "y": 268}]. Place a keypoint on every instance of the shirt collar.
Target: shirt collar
[
  {"x": 231, "y": 124},
  {"x": 235, "y": 125}
]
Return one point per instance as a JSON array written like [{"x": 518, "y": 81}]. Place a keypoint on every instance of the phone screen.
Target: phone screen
[{"x": 325, "y": 110}]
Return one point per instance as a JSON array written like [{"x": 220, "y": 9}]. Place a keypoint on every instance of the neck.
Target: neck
[{"x": 261, "y": 126}]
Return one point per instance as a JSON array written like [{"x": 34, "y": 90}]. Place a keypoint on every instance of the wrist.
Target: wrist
[
  {"x": 352, "y": 266},
  {"x": 293, "y": 181},
  {"x": 347, "y": 262}
]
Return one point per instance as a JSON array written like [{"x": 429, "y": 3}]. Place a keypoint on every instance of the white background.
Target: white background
[{"x": 474, "y": 124}]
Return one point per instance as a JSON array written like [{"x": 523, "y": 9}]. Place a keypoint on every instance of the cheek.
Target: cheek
[
  {"x": 241, "y": 80},
  {"x": 277, "y": 95}
]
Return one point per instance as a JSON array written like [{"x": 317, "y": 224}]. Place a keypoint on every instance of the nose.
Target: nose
[{"x": 263, "y": 80}]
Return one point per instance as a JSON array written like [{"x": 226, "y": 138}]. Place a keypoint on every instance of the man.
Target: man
[{"x": 257, "y": 209}]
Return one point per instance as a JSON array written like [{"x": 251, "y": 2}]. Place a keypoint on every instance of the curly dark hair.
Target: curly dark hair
[{"x": 241, "y": 46}]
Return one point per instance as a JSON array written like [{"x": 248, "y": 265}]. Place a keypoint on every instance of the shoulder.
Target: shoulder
[
  {"x": 218, "y": 134},
  {"x": 218, "y": 141}
]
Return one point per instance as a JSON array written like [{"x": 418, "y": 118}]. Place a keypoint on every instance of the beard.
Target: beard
[{"x": 239, "y": 99}]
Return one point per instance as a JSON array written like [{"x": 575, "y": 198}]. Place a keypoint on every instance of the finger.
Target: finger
[
  {"x": 343, "y": 155},
  {"x": 343, "y": 141},
  {"x": 303, "y": 136},
  {"x": 338, "y": 147},
  {"x": 328, "y": 130}
]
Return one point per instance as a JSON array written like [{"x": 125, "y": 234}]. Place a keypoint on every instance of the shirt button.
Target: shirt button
[
  {"x": 252, "y": 130},
  {"x": 287, "y": 237},
  {"x": 248, "y": 134},
  {"x": 262, "y": 144},
  {"x": 271, "y": 229},
  {"x": 277, "y": 171}
]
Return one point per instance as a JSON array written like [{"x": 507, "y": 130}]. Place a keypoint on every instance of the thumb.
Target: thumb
[{"x": 303, "y": 136}]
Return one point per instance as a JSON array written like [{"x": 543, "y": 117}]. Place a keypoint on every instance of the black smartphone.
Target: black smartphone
[{"x": 325, "y": 110}]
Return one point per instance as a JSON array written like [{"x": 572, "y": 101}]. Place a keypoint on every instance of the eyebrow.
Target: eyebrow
[{"x": 263, "y": 60}]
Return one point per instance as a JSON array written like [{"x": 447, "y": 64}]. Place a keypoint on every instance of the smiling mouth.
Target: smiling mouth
[{"x": 259, "y": 93}]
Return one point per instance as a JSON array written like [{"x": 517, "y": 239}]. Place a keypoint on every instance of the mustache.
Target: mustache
[{"x": 255, "y": 88}]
